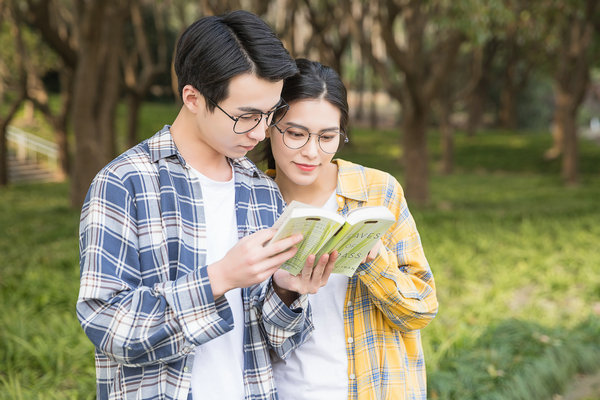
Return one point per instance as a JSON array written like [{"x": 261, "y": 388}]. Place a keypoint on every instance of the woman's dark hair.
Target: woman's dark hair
[
  {"x": 215, "y": 49},
  {"x": 313, "y": 81}
]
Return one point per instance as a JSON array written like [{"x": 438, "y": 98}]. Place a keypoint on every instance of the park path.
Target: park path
[{"x": 584, "y": 387}]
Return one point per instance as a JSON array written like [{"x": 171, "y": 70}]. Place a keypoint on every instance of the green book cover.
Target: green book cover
[{"x": 324, "y": 231}]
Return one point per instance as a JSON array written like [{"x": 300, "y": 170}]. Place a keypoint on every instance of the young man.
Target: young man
[{"x": 175, "y": 292}]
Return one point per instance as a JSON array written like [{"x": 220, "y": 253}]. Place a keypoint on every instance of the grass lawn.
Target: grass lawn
[{"x": 514, "y": 253}]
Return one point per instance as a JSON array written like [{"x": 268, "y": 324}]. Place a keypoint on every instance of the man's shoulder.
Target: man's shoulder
[
  {"x": 135, "y": 160},
  {"x": 255, "y": 176}
]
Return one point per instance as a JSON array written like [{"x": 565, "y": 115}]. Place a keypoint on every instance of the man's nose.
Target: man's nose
[{"x": 259, "y": 132}]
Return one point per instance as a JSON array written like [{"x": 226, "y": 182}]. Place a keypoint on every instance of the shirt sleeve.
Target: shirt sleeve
[
  {"x": 130, "y": 323},
  {"x": 285, "y": 328},
  {"x": 399, "y": 281}
]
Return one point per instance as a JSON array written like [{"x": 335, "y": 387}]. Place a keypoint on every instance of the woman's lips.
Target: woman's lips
[{"x": 306, "y": 167}]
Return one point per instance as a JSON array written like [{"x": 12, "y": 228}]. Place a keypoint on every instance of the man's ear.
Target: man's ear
[{"x": 192, "y": 99}]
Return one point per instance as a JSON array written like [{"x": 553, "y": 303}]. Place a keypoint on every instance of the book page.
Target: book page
[
  {"x": 356, "y": 244},
  {"x": 316, "y": 225}
]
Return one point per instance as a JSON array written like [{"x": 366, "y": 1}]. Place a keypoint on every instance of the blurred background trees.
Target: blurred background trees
[{"x": 442, "y": 65}]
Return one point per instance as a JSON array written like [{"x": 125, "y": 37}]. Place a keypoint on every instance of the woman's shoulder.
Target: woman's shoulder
[{"x": 371, "y": 176}]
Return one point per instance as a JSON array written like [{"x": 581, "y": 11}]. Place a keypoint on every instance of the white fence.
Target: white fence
[{"x": 29, "y": 147}]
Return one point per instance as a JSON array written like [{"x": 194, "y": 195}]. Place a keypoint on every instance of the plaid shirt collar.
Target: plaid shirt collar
[
  {"x": 352, "y": 181},
  {"x": 162, "y": 146}
]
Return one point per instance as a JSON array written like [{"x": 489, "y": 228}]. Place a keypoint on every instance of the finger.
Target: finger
[
  {"x": 283, "y": 244},
  {"x": 264, "y": 235},
  {"x": 330, "y": 265},
  {"x": 276, "y": 260},
  {"x": 372, "y": 254},
  {"x": 307, "y": 271},
  {"x": 317, "y": 272}
]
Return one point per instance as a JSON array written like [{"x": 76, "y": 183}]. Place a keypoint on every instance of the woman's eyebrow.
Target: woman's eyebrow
[{"x": 335, "y": 128}]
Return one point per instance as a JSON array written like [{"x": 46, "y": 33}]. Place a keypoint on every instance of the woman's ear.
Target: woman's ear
[{"x": 268, "y": 132}]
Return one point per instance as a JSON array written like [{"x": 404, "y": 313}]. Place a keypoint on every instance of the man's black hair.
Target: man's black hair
[{"x": 215, "y": 49}]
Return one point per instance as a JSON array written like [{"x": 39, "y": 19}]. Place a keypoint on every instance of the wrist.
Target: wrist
[
  {"x": 218, "y": 280},
  {"x": 287, "y": 296}
]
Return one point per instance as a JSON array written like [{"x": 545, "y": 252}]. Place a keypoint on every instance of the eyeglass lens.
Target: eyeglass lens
[
  {"x": 294, "y": 138},
  {"x": 248, "y": 121}
]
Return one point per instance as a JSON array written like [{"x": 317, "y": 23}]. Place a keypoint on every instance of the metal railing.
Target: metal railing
[{"x": 32, "y": 148}]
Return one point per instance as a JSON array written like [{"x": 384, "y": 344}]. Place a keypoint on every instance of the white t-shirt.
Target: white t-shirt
[
  {"x": 318, "y": 370},
  {"x": 218, "y": 371}
]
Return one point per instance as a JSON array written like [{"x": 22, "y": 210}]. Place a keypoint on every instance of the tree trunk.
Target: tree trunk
[
  {"x": 14, "y": 107},
  {"x": 447, "y": 137},
  {"x": 566, "y": 113},
  {"x": 508, "y": 106},
  {"x": 360, "y": 92},
  {"x": 134, "y": 103},
  {"x": 508, "y": 94},
  {"x": 557, "y": 137},
  {"x": 96, "y": 93},
  {"x": 62, "y": 123},
  {"x": 3, "y": 154},
  {"x": 373, "y": 117},
  {"x": 416, "y": 160},
  {"x": 475, "y": 102},
  {"x": 571, "y": 82}
]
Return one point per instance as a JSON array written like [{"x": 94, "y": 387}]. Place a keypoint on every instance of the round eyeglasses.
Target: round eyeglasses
[
  {"x": 296, "y": 137},
  {"x": 248, "y": 121}
]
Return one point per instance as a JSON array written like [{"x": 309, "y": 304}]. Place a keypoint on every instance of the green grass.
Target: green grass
[{"x": 514, "y": 254}]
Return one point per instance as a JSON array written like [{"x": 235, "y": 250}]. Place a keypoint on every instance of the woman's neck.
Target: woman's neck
[{"x": 315, "y": 194}]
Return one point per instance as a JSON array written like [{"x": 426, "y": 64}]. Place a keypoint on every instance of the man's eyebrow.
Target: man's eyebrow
[{"x": 256, "y": 110}]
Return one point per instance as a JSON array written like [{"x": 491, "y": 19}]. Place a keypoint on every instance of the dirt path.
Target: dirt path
[{"x": 585, "y": 387}]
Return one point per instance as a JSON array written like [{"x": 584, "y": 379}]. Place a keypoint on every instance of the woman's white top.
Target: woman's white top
[{"x": 319, "y": 368}]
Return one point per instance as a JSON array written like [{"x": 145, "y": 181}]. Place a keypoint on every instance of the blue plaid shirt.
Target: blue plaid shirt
[{"x": 145, "y": 299}]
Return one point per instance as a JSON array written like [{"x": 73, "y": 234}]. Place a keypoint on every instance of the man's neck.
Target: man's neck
[{"x": 197, "y": 153}]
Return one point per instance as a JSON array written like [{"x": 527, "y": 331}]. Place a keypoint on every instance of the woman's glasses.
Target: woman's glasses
[{"x": 296, "y": 137}]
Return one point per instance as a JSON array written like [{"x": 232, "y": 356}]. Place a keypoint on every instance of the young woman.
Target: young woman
[{"x": 366, "y": 341}]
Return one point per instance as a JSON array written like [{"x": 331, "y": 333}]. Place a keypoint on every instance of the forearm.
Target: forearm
[
  {"x": 405, "y": 295},
  {"x": 146, "y": 325}
]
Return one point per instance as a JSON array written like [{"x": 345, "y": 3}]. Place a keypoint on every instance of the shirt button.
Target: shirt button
[
  {"x": 352, "y": 376},
  {"x": 349, "y": 304},
  {"x": 129, "y": 348},
  {"x": 362, "y": 273},
  {"x": 186, "y": 369},
  {"x": 350, "y": 340}
]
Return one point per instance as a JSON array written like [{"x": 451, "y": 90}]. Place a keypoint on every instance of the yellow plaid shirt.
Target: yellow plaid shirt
[{"x": 387, "y": 300}]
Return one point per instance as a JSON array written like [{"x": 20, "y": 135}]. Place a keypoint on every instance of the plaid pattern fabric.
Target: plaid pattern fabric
[
  {"x": 387, "y": 300},
  {"x": 145, "y": 299}
]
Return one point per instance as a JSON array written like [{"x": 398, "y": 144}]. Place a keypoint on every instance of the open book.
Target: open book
[{"x": 325, "y": 231}]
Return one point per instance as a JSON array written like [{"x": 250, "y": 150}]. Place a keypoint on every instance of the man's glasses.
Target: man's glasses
[
  {"x": 248, "y": 121},
  {"x": 295, "y": 137}
]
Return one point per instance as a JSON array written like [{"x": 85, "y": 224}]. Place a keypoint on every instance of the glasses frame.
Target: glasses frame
[
  {"x": 318, "y": 135},
  {"x": 283, "y": 106}
]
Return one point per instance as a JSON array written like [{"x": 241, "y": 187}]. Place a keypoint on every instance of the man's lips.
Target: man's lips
[
  {"x": 247, "y": 148},
  {"x": 306, "y": 167}
]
